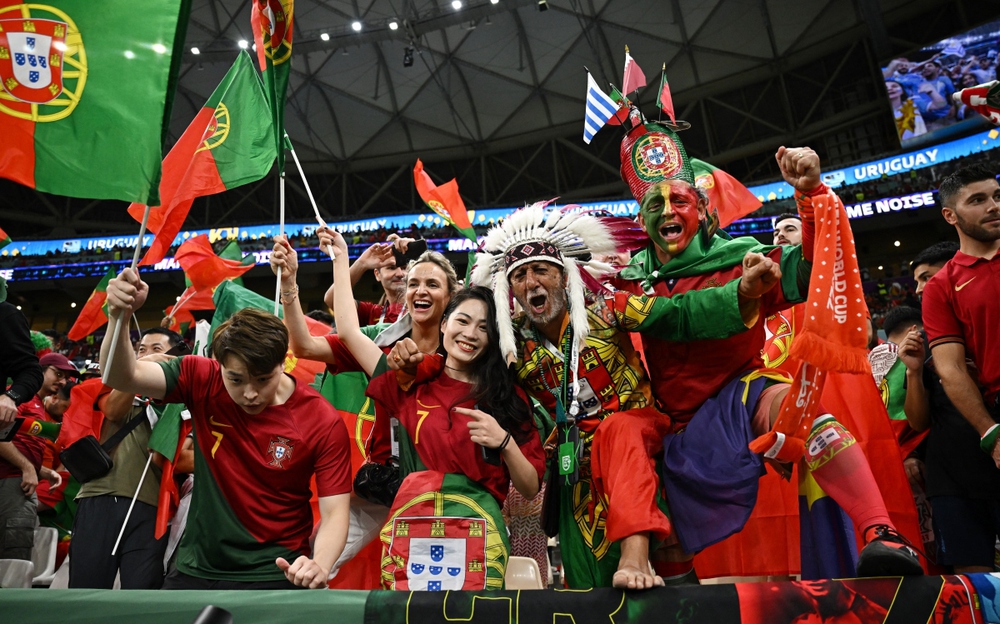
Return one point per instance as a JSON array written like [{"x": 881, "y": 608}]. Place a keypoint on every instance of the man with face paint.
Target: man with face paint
[
  {"x": 728, "y": 396},
  {"x": 604, "y": 541}
]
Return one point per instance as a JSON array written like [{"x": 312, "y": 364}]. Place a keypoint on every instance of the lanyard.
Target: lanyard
[{"x": 564, "y": 396}]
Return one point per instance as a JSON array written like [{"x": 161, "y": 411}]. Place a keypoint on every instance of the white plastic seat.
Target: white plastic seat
[
  {"x": 61, "y": 578},
  {"x": 16, "y": 573},
  {"x": 523, "y": 573},
  {"x": 43, "y": 555}
]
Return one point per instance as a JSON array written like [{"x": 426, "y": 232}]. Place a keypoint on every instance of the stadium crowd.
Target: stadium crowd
[{"x": 458, "y": 423}]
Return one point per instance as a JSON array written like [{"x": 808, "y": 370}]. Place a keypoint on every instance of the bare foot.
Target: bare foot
[{"x": 633, "y": 577}]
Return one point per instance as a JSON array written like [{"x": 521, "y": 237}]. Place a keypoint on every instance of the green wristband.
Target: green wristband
[{"x": 990, "y": 439}]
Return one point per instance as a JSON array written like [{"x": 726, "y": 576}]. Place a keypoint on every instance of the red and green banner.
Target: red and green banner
[
  {"x": 94, "y": 313},
  {"x": 229, "y": 143},
  {"x": 204, "y": 268},
  {"x": 192, "y": 299},
  {"x": 167, "y": 439},
  {"x": 86, "y": 90},
  {"x": 271, "y": 22},
  {"x": 445, "y": 200},
  {"x": 444, "y": 532},
  {"x": 4, "y": 239},
  {"x": 726, "y": 194}
]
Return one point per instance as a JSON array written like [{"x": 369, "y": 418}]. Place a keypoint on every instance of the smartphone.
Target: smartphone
[
  {"x": 413, "y": 251},
  {"x": 7, "y": 433}
]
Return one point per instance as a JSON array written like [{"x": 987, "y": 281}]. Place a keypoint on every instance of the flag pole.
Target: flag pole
[
  {"x": 302, "y": 174},
  {"x": 113, "y": 321},
  {"x": 281, "y": 232},
  {"x": 663, "y": 76},
  {"x": 128, "y": 514}
]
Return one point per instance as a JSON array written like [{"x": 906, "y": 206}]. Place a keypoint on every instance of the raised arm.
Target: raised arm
[
  {"x": 126, "y": 294},
  {"x": 375, "y": 257},
  {"x": 364, "y": 350},
  {"x": 917, "y": 404},
  {"x": 302, "y": 343},
  {"x": 733, "y": 307}
]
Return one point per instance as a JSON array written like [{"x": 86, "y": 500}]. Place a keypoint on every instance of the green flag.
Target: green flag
[
  {"x": 167, "y": 433},
  {"x": 85, "y": 94}
]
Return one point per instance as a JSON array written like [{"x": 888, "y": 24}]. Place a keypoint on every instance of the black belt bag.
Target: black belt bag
[{"x": 87, "y": 459}]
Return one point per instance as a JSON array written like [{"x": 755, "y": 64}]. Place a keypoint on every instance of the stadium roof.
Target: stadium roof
[{"x": 495, "y": 94}]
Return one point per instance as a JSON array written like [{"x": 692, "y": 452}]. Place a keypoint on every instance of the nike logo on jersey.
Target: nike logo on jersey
[
  {"x": 961, "y": 286},
  {"x": 211, "y": 420}
]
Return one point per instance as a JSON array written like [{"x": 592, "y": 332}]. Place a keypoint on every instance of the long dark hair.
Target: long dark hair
[{"x": 494, "y": 387}]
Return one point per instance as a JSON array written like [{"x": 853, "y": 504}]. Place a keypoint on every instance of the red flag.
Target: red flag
[
  {"x": 82, "y": 418},
  {"x": 93, "y": 314},
  {"x": 633, "y": 77},
  {"x": 726, "y": 194},
  {"x": 205, "y": 269},
  {"x": 444, "y": 200},
  {"x": 665, "y": 101}
]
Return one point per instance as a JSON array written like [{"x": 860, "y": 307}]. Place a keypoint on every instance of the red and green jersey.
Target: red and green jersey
[
  {"x": 32, "y": 447},
  {"x": 375, "y": 313},
  {"x": 251, "y": 504},
  {"x": 705, "y": 363},
  {"x": 441, "y": 436},
  {"x": 87, "y": 89}
]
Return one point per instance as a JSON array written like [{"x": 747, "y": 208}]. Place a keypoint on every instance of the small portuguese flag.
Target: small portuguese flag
[
  {"x": 4, "y": 239},
  {"x": 271, "y": 22},
  {"x": 444, "y": 200},
  {"x": 95, "y": 312},
  {"x": 726, "y": 194},
  {"x": 167, "y": 439},
  {"x": 229, "y": 143},
  {"x": 86, "y": 90}
]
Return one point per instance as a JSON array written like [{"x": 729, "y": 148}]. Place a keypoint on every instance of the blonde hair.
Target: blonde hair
[{"x": 434, "y": 257}]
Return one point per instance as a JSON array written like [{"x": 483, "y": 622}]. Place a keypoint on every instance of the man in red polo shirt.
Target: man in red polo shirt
[{"x": 961, "y": 315}]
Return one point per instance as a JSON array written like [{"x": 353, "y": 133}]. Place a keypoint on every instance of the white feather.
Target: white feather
[
  {"x": 577, "y": 303},
  {"x": 501, "y": 296}
]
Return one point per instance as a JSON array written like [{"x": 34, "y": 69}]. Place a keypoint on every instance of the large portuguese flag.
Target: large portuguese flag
[
  {"x": 228, "y": 143},
  {"x": 85, "y": 94}
]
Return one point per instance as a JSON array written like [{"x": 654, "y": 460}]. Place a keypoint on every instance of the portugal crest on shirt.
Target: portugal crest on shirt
[{"x": 279, "y": 451}]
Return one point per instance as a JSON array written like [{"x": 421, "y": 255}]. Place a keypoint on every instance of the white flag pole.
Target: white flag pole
[
  {"x": 112, "y": 320},
  {"x": 281, "y": 231},
  {"x": 305, "y": 182},
  {"x": 128, "y": 514}
]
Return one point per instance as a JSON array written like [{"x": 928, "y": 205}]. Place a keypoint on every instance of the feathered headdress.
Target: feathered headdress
[{"x": 568, "y": 237}]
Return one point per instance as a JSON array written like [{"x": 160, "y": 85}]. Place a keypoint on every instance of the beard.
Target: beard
[
  {"x": 977, "y": 232},
  {"x": 557, "y": 305}
]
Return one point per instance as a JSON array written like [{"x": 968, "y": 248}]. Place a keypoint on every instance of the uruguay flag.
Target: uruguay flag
[{"x": 600, "y": 108}]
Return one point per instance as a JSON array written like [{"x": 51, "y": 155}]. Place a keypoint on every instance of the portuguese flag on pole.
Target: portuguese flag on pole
[
  {"x": 726, "y": 194},
  {"x": 271, "y": 22},
  {"x": 444, "y": 200},
  {"x": 94, "y": 313},
  {"x": 85, "y": 94},
  {"x": 229, "y": 143},
  {"x": 167, "y": 439}
]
